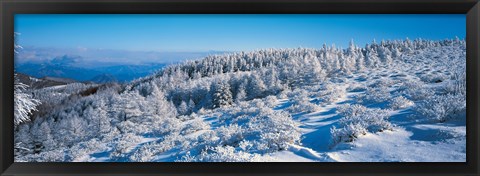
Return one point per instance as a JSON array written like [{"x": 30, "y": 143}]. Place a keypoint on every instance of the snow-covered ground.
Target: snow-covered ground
[
  {"x": 406, "y": 107},
  {"x": 409, "y": 141}
]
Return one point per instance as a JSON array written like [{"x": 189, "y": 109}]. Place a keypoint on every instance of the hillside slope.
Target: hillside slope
[{"x": 388, "y": 101}]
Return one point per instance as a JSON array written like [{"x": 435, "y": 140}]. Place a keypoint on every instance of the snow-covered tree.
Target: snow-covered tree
[
  {"x": 129, "y": 106},
  {"x": 351, "y": 57},
  {"x": 183, "y": 108},
  {"x": 241, "y": 95},
  {"x": 42, "y": 136},
  {"x": 222, "y": 96},
  {"x": 371, "y": 58},
  {"x": 172, "y": 104},
  {"x": 256, "y": 87},
  {"x": 24, "y": 104},
  {"x": 191, "y": 105},
  {"x": 17, "y": 47},
  {"x": 385, "y": 55}
]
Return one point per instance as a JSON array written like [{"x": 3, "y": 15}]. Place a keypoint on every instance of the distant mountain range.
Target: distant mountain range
[
  {"x": 104, "y": 78},
  {"x": 65, "y": 67},
  {"x": 38, "y": 83}
]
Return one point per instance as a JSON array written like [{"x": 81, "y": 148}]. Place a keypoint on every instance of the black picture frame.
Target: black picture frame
[{"x": 9, "y": 8}]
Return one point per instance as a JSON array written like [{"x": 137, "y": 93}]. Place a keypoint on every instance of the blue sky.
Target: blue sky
[{"x": 227, "y": 32}]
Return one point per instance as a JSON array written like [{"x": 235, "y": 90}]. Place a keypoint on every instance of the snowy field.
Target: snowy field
[{"x": 394, "y": 101}]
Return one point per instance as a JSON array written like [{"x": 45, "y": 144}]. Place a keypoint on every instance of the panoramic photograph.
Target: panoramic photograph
[{"x": 239, "y": 88}]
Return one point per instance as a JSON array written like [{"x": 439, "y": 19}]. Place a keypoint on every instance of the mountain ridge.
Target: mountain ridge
[{"x": 301, "y": 104}]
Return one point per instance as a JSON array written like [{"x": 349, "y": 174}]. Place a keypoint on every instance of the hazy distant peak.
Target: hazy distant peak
[
  {"x": 66, "y": 60},
  {"x": 104, "y": 78}
]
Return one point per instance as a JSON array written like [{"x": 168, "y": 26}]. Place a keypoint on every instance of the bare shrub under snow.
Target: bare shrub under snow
[
  {"x": 147, "y": 152},
  {"x": 383, "y": 83},
  {"x": 458, "y": 83},
  {"x": 434, "y": 78},
  {"x": 270, "y": 101},
  {"x": 125, "y": 144},
  {"x": 442, "y": 108},
  {"x": 376, "y": 92},
  {"x": 330, "y": 93},
  {"x": 168, "y": 115},
  {"x": 230, "y": 135},
  {"x": 225, "y": 154},
  {"x": 272, "y": 131},
  {"x": 357, "y": 88},
  {"x": 347, "y": 133},
  {"x": 357, "y": 120},
  {"x": 278, "y": 131},
  {"x": 194, "y": 125},
  {"x": 373, "y": 119},
  {"x": 81, "y": 150},
  {"x": 376, "y": 95},
  {"x": 57, "y": 155},
  {"x": 301, "y": 103},
  {"x": 399, "y": 103},
  {"x": 252, "y": 130},
  {"x": 416, "y": 90}
]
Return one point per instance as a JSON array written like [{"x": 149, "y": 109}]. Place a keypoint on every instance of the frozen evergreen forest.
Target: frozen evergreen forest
[{"x": 389, "y": 101}]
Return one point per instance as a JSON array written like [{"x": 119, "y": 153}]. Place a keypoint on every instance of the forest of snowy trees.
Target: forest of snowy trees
[{"x": 228, "y": 107}]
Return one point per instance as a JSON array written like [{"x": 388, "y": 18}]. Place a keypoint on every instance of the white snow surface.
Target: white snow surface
[
  {"x": 407, "y": 142},
  {"x": 409, "y": 138}
]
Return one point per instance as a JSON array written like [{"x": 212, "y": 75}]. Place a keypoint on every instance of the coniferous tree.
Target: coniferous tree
[
  {"x": 191, "y": 105},
  {"x": 256, "y": 87},
  {"x": 24, "y": 104},
  {"x": 183, "y": 108},
  {"x": 222, "y": 96}
]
